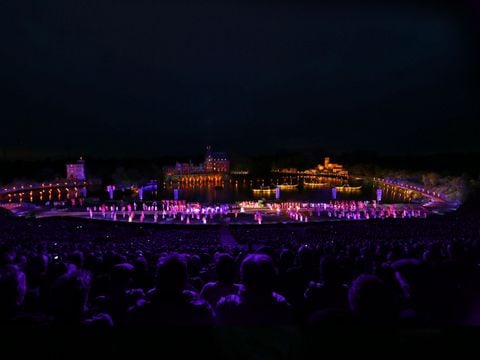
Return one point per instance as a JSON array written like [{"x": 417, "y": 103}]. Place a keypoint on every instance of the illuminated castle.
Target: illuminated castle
[
  {"x": 76, "y": 171},
  {"x": 329, "y": 168},
  {"x": 216, "y": 162}
]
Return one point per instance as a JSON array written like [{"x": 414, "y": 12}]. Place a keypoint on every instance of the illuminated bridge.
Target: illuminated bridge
[{"x": 45, "y": 190}]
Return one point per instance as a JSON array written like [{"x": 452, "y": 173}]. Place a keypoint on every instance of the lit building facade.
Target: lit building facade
[
  {"x": 332, "y": 168},
  {"x": 76, "y": 171},
  {"x": 187, "y": 168},
  {"x": 216, "y": 162},
  {"x": 326, "y": 169},
  {"x": 329, "y": 168}
]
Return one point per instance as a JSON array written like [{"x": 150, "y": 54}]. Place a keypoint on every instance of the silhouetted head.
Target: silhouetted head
[
  {"x": 266, "y": 250},
  {"x": 432, "y": 254},
  {"x": 205, "y": 259},
  {"x": 56, "y": 268},
  {"x": 370, "y": 300},
  {"x": 12, "y": 288},
  {"x": 225, "y": 267},
  {"x": 330, "y": 270},
  {"x": 36, "y": 269},
  {"x": 286, "y": 259},
  {"x": 7, "y": 255},
  {"x": 121, "y": 275},
  {"x": 258, "y": 273},
  {"x": 76, "y": 258},
  {"x": 171, "y": 274},
  {"x": 20, "y": 260},
  {"x": 455, "y": 250},
  {"x": 70, "y": 295},
  {"x": 305, "y": 256},
  {"x": 140, "y": 266},
  {"x": 409, "y": 275},
  {"x": 193, "y": 265}
]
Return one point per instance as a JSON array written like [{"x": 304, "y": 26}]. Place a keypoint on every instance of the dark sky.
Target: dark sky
[{"x": 167, "y": 77}]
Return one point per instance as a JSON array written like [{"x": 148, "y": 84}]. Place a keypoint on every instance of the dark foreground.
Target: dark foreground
[{"x": 72, "y": 288}]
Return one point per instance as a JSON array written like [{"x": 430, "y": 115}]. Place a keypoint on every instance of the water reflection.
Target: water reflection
[
  {"x": 237, "y": 190},
  {"x": 229, "y": 191}
]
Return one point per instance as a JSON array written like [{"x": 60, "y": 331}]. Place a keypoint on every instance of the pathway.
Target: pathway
[{"x": 226, "y": 237}]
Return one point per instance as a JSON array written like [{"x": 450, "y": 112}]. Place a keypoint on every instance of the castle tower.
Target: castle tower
[
  {"x": 326, "y": 162},
  {"x": 76, "y": 171}
]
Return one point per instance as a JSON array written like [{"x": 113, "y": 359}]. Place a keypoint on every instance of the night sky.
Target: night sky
[{"x": 142, "y": 78}]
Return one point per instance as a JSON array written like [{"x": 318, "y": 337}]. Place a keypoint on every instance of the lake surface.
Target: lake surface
[
  {"x": 232, "y": 191},
  {"x": 229, "y": 191}
]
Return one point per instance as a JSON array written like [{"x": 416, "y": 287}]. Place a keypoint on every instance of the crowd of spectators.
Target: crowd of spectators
[{"x": 342, "y": 278}]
